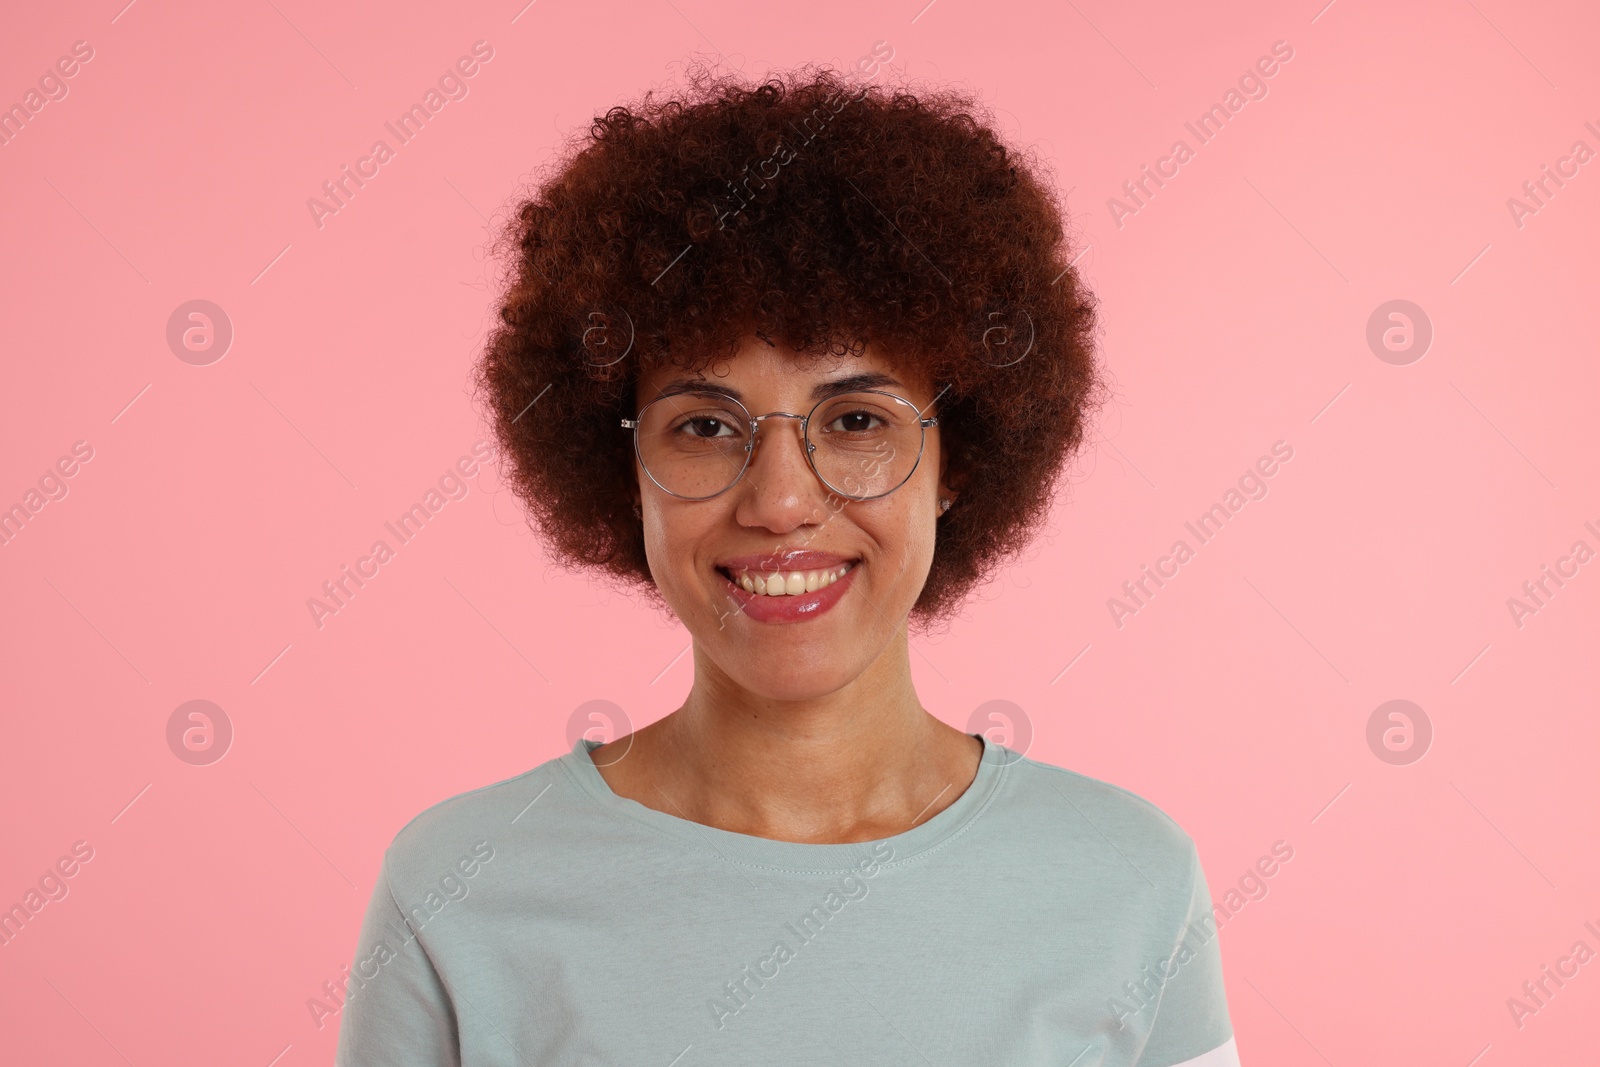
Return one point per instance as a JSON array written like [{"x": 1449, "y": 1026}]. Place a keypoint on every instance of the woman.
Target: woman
[{"x": 802, "y": 364}]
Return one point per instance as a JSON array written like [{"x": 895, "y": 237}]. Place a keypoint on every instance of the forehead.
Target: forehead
[{"x": 777, "y": 375}]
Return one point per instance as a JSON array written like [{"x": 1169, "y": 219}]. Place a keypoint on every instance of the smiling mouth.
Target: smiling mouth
[{"x": 787, "y": 583}]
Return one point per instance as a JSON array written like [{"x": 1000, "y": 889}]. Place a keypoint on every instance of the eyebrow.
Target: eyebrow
[{"x": 834, "y": 387}]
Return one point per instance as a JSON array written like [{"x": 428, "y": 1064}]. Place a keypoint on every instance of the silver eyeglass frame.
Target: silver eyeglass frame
[{"x": 754, "y": 422}]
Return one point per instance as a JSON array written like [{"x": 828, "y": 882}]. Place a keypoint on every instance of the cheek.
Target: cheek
[
  {"x": 903, "y": 534},
  {"x": 663, "y": 552},
  {"x": 924, "y": 532},
  {"x": 672, "y": 537},
  {"x": 922, "y": 529}
]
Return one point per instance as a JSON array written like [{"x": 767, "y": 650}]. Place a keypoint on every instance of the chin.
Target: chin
[
  {"x": 780, "y": 676},
  {"x": 809, "y": 690}
]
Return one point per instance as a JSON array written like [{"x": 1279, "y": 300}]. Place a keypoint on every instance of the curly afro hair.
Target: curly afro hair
[{"x": 813, "y": 210}]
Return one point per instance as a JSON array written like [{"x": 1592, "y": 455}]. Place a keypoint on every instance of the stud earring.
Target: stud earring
[
  {"x": 638, "y": 512},
  {"x": 944, "y": 505}
]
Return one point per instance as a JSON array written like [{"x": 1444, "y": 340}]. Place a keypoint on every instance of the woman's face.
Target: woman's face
[{"x": 793, "y": 647}]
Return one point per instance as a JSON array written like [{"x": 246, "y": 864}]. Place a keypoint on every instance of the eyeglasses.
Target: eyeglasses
[{"x": 861, "y": 445}]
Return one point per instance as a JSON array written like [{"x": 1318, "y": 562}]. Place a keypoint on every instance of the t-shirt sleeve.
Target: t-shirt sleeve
[
  {"x": 1191, "y": 1026},
  {"x": 397, "y": 1012}
]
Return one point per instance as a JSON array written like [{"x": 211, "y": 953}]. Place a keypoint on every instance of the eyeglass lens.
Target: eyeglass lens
[{"x": 865, "y": 444}]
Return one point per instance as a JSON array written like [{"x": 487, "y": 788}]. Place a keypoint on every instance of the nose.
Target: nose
[{"x": 780, "y": 490}]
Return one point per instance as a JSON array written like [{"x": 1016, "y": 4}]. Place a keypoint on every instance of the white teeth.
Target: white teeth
[{"x": 792, "y": 583}]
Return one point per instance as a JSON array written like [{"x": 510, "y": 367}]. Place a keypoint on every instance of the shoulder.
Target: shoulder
[
  {"x": 1062, "y": 809},
  {"x": 462, "y": 832}
]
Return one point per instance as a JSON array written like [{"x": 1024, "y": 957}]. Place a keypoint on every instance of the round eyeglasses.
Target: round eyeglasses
[{"x": 862, "y": 445}]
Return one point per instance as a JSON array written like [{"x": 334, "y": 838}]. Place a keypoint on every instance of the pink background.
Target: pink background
[{"x": 219, "y": 498}]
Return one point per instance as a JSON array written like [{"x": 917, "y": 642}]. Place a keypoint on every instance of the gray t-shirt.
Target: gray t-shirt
[{"x": 1044, "y": 918}]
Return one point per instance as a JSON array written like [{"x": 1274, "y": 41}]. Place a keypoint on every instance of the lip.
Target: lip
[
  {"x": 790, "y": 609},
  {"x": 792, "y": 559}
]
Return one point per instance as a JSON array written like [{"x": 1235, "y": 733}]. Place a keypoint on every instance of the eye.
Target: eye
[
  {"x": 858, "y": 421},
  {"x": 704, "y": 426}
]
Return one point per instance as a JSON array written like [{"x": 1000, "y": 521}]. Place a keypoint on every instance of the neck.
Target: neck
[{"x": 861, "y": 763}]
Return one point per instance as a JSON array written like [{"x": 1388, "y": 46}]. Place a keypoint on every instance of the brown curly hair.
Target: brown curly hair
[{"x": 818, "y": 212}]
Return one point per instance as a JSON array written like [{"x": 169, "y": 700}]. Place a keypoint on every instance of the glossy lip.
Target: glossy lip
[
  {"x": 786, "y": 560},
  {"x": 763, "y": 608}
]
